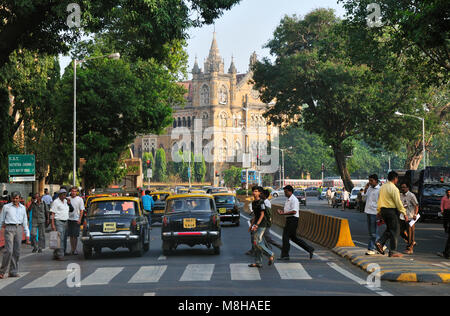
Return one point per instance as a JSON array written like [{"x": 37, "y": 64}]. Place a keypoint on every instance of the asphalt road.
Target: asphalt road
[{"x": 197, "y": 272}]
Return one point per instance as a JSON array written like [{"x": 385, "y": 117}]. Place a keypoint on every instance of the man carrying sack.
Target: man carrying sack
[{"x": 59, "y": 216}]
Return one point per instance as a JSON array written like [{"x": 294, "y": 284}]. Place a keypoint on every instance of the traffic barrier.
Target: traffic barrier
[{"x": 327, "y": 231}]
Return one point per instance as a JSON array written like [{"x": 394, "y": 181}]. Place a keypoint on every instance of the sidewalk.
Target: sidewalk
[{"x": 398, "y": 269}]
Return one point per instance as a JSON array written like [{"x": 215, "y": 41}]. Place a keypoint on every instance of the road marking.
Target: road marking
[
  {"x": 361, "y": 243},
  {"x": 161, "y": 258},
  {"x": 101, "y": 276},
  {"x": 150, "y": 274},
  {"x": 5, "y": 282},
  {"x": 198, "y": 272},
  {"x": 242, "y": 272},
  {"x": 292, "y": 271},
  {"x": 149, "y": 294},
  {"x": 50, "y": 279}
]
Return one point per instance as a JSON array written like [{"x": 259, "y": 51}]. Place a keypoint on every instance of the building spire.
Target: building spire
[
  {"x": 214, "y": 63},
  {"x": 232, "y": 69}
]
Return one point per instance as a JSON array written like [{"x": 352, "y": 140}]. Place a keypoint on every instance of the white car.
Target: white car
[
  {"x": 278, "y": 193},
  {"x": 353, "y": 196}
]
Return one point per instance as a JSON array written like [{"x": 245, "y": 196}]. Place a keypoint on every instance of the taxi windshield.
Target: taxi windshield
[
  {"x": 112, "y": 208},
  {"x": 189, "y": 205},
  {"x": 229, "y": 199}
]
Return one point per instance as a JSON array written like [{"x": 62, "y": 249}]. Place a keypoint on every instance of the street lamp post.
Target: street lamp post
[
  {"x": 75, "y": 63},
  {"x": 423, "y": 135}
]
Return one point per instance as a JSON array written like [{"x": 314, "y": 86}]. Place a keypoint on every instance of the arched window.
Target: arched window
[
  {"x": 175, "y": 123},
  {"x": 223, "y": 151},
  {"x": 223, "y": 119},
  {"x": 189, "y": 122},
  {"x": 223, "y": 95},
  {"x": 204, "y": 96},
  {"x": 179, "y": 122}
]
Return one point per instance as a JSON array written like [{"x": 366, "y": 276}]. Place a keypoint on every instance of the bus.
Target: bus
[{"x": 254, "y": 177}]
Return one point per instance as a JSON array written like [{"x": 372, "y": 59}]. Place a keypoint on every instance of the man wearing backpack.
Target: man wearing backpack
[{"x": 260, "y": 223}]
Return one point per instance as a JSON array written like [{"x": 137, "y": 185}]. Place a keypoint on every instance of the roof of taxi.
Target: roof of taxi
[
  {"x": 160, "y": 192},
  {"x": 224, "y": 194},
  {"x": 116, "y": 198},
  {"x": 180, "y": 196}
]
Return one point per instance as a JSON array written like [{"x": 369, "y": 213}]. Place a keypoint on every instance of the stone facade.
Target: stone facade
[{"x": 219, "y": 101}]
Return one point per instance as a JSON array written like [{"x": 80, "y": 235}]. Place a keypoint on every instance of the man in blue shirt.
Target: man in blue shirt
[{"x": 148, "y": 204}]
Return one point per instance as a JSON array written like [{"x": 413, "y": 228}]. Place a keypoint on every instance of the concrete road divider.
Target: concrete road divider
[{"x": 327, "y": 231}]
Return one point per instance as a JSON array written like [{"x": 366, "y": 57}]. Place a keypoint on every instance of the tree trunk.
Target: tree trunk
[{"x": 341, "y": 163}]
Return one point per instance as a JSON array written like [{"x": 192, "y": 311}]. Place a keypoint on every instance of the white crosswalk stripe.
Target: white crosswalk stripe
[
  {"x": 242, "y": 272},
  {"x": 4, "y": 283},
  {"x": 101, "y": 276},
  {"x": 50, "y": 279},
  {"x": 292, "y": 271},
  {"x": 198, "y": 272},
  {"x": 150, "y": 274}
]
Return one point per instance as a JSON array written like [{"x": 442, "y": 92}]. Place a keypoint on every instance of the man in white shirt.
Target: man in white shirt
[
  {"x": 47, "y": 199},
  {"x": 59, "y": 216},
  {"x": 73, "y": 226},
  {"x": 345, "y": 197},
  {"x": 14, "y": 220},
  {"x": 291, "y": 211},
  {"x": 371, "y": 194}
]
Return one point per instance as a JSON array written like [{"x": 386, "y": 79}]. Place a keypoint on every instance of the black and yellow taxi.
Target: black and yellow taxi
[
  {"x": 228, "y": 207},
  {"x": 191, "y": 219},
  {"x": 115, "y": 222},
  {"x": 159, "y": 208}
]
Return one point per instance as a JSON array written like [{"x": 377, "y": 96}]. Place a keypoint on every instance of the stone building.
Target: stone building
[{"x": 228, "y": 116}]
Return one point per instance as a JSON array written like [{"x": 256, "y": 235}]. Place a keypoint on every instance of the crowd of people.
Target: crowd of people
[{"x": 60, "y": 213}]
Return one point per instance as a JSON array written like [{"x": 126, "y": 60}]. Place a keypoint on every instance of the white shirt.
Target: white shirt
[
  {"x": 345, "y": 195},
  {"x": 78, "y": 206},
  {"x": 267, "y": 203},
  {"x": 371, "y": 198},
  {"x": 292, "y": 204},
  {"x": 13, "y": 215},
  {"x": 61, "y": 209}
]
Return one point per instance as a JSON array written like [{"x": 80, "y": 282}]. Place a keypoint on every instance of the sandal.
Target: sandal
[
  {"x": 271, "y": 260},
  {"x": 254, "y": 265},
  {"x": 2, "y": 276}
]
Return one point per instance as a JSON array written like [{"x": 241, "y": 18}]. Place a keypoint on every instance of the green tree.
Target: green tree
[
  {"x": 160, "y": 169},
  {"x": 232, "y": 176},
  {"x": 111, "y": 94},
  {"x": 199, "y": 169},
  {"x": 317, "y": 84},
  {"x": 144, "y": 26}
]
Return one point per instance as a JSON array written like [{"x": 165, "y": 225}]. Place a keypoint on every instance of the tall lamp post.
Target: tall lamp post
[
  {"x": 423, "y": 135},
  {"x": 75, "y": 63},
  {"x": 282, "y": 178}
]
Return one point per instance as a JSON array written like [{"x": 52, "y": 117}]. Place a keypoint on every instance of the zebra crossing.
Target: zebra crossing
[{"x": 152, "y": 274}]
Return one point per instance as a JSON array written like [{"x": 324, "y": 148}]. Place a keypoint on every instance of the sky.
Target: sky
[{"x": 245, "y": 29}]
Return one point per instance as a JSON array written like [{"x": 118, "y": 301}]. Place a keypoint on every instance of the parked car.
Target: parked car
[
  {"x": 228, "y": 207},
  {"x": 160, "y": 205},
  {"x": 191, "y": 219},
  {"x": 115, "y": 222},
  {"x": 278, "y": 193},
  {"x": 353, "y": 196},
  {"x": 301, "y": 196}
]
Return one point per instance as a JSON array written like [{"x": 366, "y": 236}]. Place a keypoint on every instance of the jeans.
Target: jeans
[
  {"x": 260, "y": 245},
  {"x": 373, "y": 231},
  {"x": 391, "y": 217},
  {"x": 61, "y": 227}
]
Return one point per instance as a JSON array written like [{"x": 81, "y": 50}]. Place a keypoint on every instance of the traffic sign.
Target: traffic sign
[
  {"x": 22, "y": 179},
  {"x": 21, "y": 165}
]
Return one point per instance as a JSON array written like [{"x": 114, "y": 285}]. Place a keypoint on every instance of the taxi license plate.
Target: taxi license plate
[
  {"x": 222, "y": 210},
  {"x": 189, "y": 223},
  {"x": 109, "y": 227}
]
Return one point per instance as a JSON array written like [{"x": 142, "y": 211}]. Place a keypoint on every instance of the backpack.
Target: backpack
[{"x": 268, "y": 215}]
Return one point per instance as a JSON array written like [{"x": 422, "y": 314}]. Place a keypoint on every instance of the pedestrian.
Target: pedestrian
[
  {"x": 360, "y": 201},
  {"x": 291, "y": 211},
  {"x": 55, "y": 196},
  {"x": 59, "y": 216},
  {"x": 259, "y": 225},
  {"x": 445, "y": 211},
  {"x": 6, "y": 198},
  {"x": 329, "y": 192},
  {"x": 333, "y": 198},
  {"x": 411, "y": 205},
  {"x": 389, "y": 208},
  {"x": 320, "y": 190},
  {"x": 47, "y": 199},
  {"x": 267, "y": 235},
  {"x": 345, "y": 197},
  {"x": 75, "y": 217},
  {"x": 39, "y": 220},
  {"x": 148, "y": 204},
  {"x": 13, "y": 219},
  {"x": 371, "y": 194}
]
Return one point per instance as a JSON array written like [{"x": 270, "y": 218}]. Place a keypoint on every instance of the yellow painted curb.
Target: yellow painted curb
[{"x": 407, "y": 277}]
